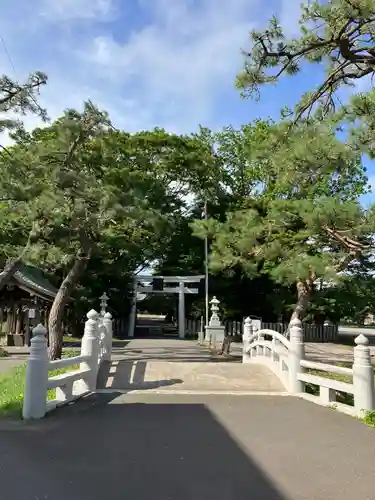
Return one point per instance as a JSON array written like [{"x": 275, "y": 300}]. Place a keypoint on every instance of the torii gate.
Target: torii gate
[{"x": 145, "y": 284}]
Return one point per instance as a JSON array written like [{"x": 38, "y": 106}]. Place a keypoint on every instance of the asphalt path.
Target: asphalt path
[{"x": 169, "y": 447}]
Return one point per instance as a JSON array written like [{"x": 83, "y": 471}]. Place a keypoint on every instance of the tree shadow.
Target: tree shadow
[
  {"x": 129, "y": 375},
  {"x": 130, "y": 450}
]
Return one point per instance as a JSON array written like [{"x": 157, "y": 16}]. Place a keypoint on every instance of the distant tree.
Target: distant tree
[{"x": 304, "y": 221}]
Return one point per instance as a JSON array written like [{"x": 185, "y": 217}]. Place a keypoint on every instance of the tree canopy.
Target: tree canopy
[
  {"x": 338, "y": 35},
  {"x": 91, "y": 204},
  {"x": 302, "y": 220}
]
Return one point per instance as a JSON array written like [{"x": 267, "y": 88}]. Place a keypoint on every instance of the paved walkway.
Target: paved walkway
[
  {"x": 168, "y": 447},
  {"x": 175, "y": 366},
  {"x": 172, "y": 365},
  {"x": 18, "y": 356},
  {"x": 152, "y": 441}
]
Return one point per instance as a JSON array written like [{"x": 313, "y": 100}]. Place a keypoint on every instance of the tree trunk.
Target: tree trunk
[
  {"x": 225, "y": 348},
  {"x": 56, "y": 315},
  {"x": 304, "y": 289}
]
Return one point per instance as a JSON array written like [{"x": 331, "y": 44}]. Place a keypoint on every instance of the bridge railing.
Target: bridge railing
[
  {"x": 286, "y": 359},
  {"x": 96, "y": 347}
]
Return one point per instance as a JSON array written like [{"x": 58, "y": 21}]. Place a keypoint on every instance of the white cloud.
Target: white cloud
[
  {"x": 58, "y": 10},
  {"x": 152, "y": 63},
  {"x": 182, "y": 60}
]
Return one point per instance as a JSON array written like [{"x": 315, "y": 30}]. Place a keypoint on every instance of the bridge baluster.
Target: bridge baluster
[
  {"x": 273, "y": 349},
  {"x": 296, "y": 354},
  {"x": 247, "y": 333},
  {"x": 363, "y": 376}
]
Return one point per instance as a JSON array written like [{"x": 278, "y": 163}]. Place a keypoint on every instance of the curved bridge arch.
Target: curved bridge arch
[
  {"x": 286, "y": 359},
  {"x": 272, "y": 353}
]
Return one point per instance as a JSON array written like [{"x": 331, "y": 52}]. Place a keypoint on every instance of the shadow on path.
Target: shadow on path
[
  {"x": 127, "y": 374},
  {"x": 138, "y": 451},
  {"x": 165, "y": 447}
]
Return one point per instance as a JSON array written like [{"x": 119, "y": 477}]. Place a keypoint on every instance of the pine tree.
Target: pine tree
[
  {"x": 303, "y": 222},
  {"x": 336, "y": 34}
]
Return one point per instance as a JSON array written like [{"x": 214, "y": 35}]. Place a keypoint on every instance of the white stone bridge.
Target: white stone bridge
[{"x": 164, "y": 419}]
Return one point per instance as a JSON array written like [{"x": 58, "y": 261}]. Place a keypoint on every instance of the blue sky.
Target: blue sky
[{"x": 167, "y": 63}]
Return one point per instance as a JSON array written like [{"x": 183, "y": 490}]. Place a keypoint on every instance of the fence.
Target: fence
[
  {"x": 96, "y": 347},
  {"x": 286, "y": 359},
  {"x": 311, "y": 333}
]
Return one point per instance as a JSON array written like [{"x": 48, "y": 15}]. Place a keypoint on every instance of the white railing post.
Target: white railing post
[
  {"x": 296, "y": 354},
  {"x": 35, "y": 398},
  {"x": 363, "y": 377},
  {"x": 107, "y": 321},
  {"x": 260, "y": 338},
  {"x": 247, "y": 333},
  {"x": 90, "y": 347}
]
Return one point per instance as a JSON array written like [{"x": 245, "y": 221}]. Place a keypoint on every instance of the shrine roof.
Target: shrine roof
[{"x": 32, "y": 280}]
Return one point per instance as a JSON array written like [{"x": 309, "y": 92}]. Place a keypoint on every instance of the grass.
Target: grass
[
  {"x": 77, "y": 340},
  {"x": 12, "y": 386},
  {"x": 341, "y": 397},
  {"x": 369, "y": 419}
]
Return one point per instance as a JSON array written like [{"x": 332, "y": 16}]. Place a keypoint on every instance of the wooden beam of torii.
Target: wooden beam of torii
[{"x": 143, "y": 284}]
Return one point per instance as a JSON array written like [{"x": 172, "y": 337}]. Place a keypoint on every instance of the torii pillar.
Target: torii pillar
[{"x": 181, "y": 310}]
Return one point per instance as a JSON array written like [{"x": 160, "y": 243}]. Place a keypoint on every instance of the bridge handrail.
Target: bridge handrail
[
  {"x": 96, "y": 347},
  {"x": 325, "y": 367},
  {"x": 290, "y": 367},
  {"x": 265, "y": 331}
]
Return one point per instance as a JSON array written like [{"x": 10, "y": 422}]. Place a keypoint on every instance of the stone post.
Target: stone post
[
  {"x": 215, "y": 330},
  {"x": 295, "y": 355},
  {"x": 260, "y": 338},
  {"x": 103, "y": 304},
  {"x": 247, "y": 333},
  {"x": 90, "y": 347},
  {"x": 363, "y": 377},
  {"x": 34, "y": 404},
  {"x": 107, "y": 321}
]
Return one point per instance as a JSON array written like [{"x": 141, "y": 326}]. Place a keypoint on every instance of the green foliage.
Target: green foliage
[
  {"x": 303, "y": 221},
  {"x": 20, "y": 98},
  {"x": 338, "y": 34},
  {"x": 243, "y": 156},
  {"x": 359, "y": 116},
  {"x": 349, "y": 301},
  {"x": 289, "y": 239},
  {"x": 369, "y": 418},
  {"x": 79, "y": 186}
]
